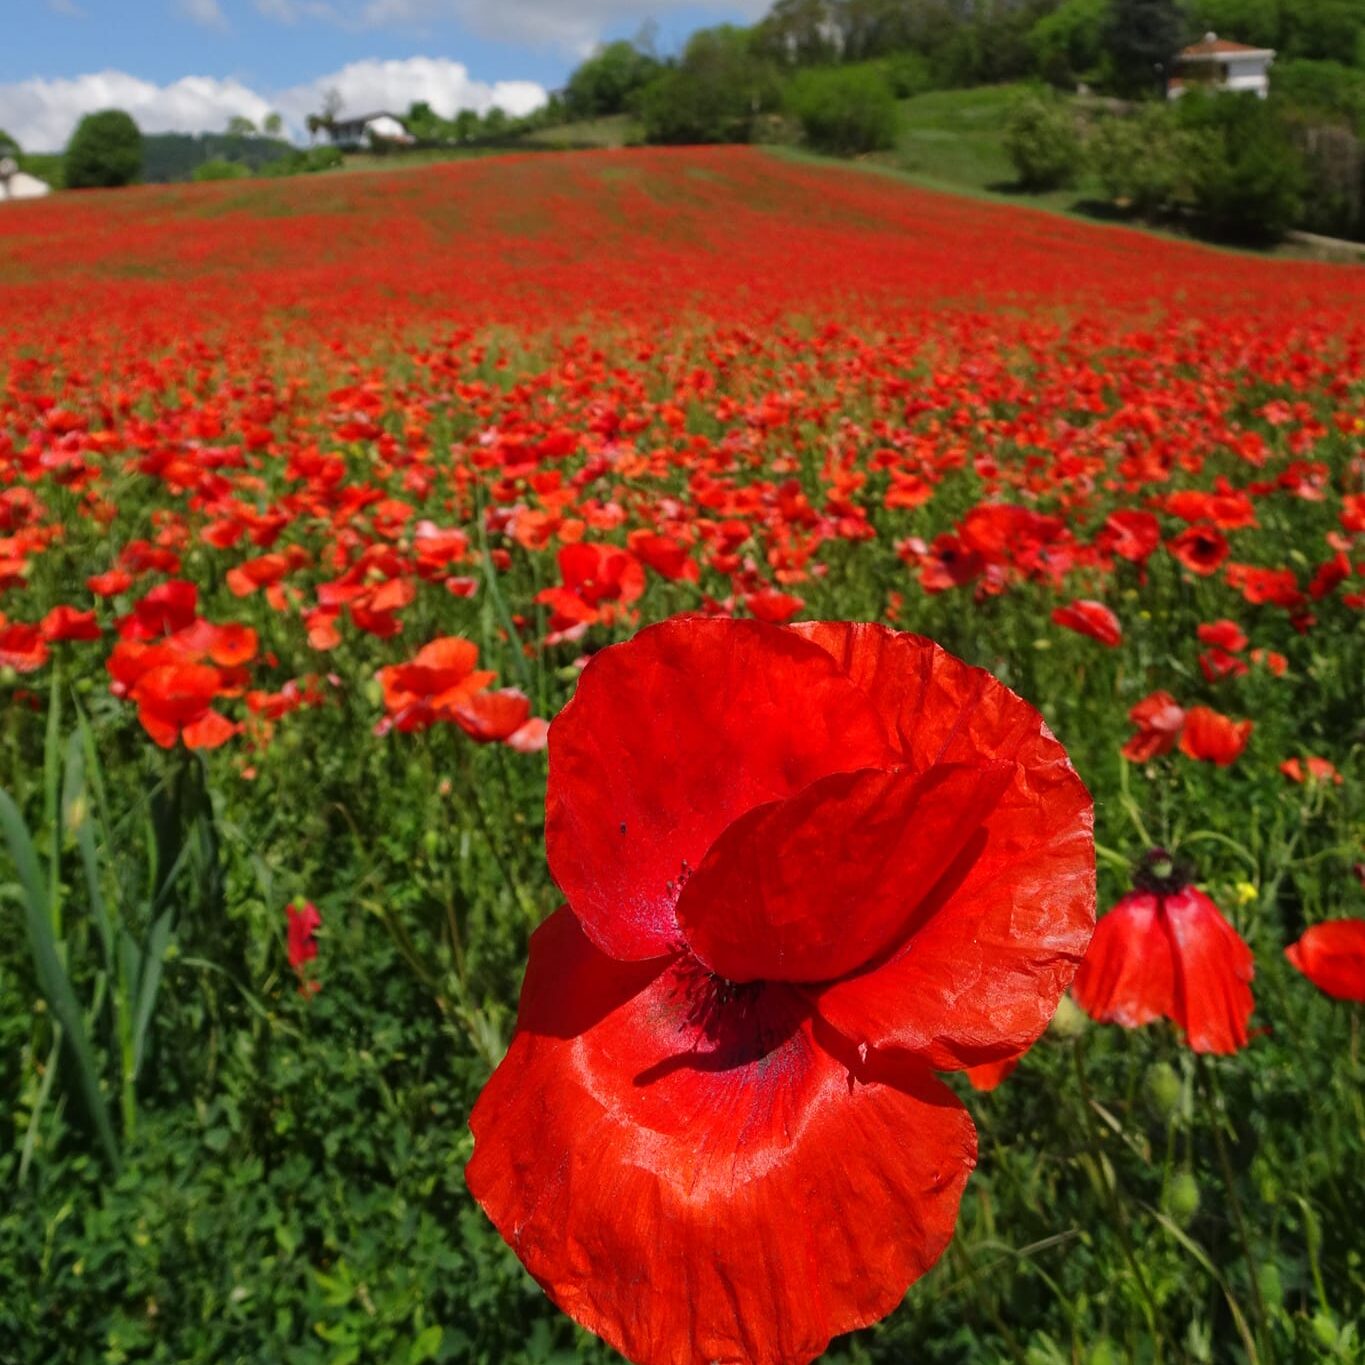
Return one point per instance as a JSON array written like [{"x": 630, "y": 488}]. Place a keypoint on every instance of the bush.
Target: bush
[
  {"x": 844, "y": 109},
  {"x": 610, "y": 81},
  {"x": 219, "y": 168},
  {"x": 909, "y": 74},
  {"x": 1249, "y": 182},
  {"x": 1146, "y": 162},
  {"x": 1042, "y": 143},
  {"x": 716, "y": 93},
  {"x": 104, "y": 151}
]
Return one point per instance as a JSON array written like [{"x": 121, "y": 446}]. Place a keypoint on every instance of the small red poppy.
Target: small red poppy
[
  {"x": 1201, "y": 549},
  {"x": 1090, "y": 618},
  {"x": 1160, "y": 719},
  {"x": 805, "y": 866},
  {"x": 1166, "y": 952},
  {"x": 1332, "y": 956},
  {"x": 1212, "y": 737}
]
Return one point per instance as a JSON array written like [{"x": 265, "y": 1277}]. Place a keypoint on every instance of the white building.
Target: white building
[
  {"x": 17, "y": 184},
  {"x": 1214, "y": 63},
  {"x": 368, "y": 129}
]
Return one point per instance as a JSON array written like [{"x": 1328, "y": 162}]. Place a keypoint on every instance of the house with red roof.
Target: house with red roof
[{"x": 1215, "y": 63}]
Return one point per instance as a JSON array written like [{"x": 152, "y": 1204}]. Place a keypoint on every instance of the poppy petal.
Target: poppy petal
[
  {"x": 1332, "y": 956},
  {"x": 993, "y": 949},
  {"x": 707, "y": 1189},
  {"x": 1128, "y": 976},
  {"x": 669, "y": 738},
  {"x": 813, "y": 888},
  {"x": 1214, "y": 967}
]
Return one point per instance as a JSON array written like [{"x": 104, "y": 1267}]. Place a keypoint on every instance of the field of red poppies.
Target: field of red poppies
[{"x": 317, "y": 501}]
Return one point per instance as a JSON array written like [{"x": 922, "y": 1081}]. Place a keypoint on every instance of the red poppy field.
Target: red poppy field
[{"x": 983, "y": 982}]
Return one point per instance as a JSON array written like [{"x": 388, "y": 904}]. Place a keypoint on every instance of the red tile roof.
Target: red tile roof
[{"x": 1210, "y": 45}]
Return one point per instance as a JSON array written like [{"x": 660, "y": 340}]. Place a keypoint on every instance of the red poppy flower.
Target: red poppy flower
[
  {"x": 304, "y": 922},
  {"x": 1332, "y": 956},
  {"x": 1131, "y": 535},
  {"x": 67, "y": 623},
  {"x": 989, "y": 1075},
  {"x": 1090, "y": 618},
  {"x": 1212, "y": 737},
  {"x": 1201, "y": 549},
  {"x": 1166, "y": 952},
  {"x": 175, "y": 701},
  {"x": 726, "y": 1038},
  {"x": 1160, "y": 719},
  {"x": 420, "y": 693},
  {"x": 1223, "y": 634},
  {"x": 1311, "y": 769},
  {"x": 22, "y": 647},
  {"x": 777, "y": 608}
]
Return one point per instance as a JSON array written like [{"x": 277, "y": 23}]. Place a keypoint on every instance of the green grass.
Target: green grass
[{"x": 613, "y": 130}]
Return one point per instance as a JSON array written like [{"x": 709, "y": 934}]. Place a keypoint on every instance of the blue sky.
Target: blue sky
[{"x": 190, "y": 64}]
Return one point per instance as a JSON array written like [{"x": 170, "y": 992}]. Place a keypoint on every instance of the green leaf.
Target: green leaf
[
  {"x": 427, "y": 1344},
  {"x": 53, "y": 981}
]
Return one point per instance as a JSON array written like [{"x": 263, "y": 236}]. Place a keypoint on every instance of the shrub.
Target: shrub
[
  {"x": 908, "y": 74},
  {"x": 1147, "y": 162},
  {"x": 844, "y": 109},
  {"x": 219, "y": 168},
  {"x": 1042, "y": 143},
  {"x": 104, "y": 151},
  {"x": 715, "y": 93},
  {"x": 610, "y": 81},
  {"x": 1249, "y": 181}
]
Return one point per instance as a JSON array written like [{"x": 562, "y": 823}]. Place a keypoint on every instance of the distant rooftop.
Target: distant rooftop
[{"x": 1211, "y": 45}]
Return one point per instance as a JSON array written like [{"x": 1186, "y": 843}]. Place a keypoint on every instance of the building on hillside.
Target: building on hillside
[
  {"x": 352, "y": 134},
  {"x": 17, "y": 184},
  {"x": 1214, "y": 63}
]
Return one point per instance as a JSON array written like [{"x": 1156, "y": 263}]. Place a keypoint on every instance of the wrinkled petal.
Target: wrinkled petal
[
  {"x": 998, "y": 941},
  {"x": 702, "y": 1182},
  {"x": 1128, "y": 976},
  {"x": 813, "y": 888},
  {"x": 669, "y": 738},
  {"x": 1213, "y": 969},
  {"x": 1332, "y": 956}
]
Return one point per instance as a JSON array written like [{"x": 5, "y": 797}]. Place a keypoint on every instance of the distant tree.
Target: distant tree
[
  {"x": 9, "y": 146},
  {"x": 716, "y": 93},
  {"x": 219, "y": 168},
  {"x": 799, "y": 33},
  {"x": 496, "y": 122},
  {"x": 104, "y": 151},
  {"x": 240, "y": 126},
  {"x": 609, "y": 82},
  {"x": 844, "y": 109},
  {"x": 1042, "y": 143},
  {"x": 1069, "y": 42},
  {"x": 273, "y": 125},
  {"x": 467, "y": 125},
  {"x": 1141, "y": 37}
]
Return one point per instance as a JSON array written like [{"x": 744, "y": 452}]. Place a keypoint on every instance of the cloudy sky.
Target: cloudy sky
[{"x": 190, "y": 65}]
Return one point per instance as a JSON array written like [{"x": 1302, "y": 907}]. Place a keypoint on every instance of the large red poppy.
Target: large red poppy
[
  {"x": 805, "y": 867},
  {"x": 1166, "y": 952}
]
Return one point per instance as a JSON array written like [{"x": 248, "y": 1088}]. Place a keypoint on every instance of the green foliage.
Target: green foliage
[
  {"x": 716, "y": 93},
  {"x": 844, "y": 109},
  {"x": 314, "y": 159},
  {"x": 105, "y": 151},
  {"x": 1147, "y": 162},
  {"x": 1068, "y": 43},
  {"x": 9, "y": 146},
  {"x": 1042, "y": 143},
  {"x": 171, "y": 157},
  {"x": 609, "y": 81},
  {"x": 908, "y": 74},
  {"x": 1250, "y": 182},
  {"x": 1141, "y": 37},
  {"x": 220, "y": 169},
  {"x": 48, "y": 166},
  {"x": 1327, "y": 92}
]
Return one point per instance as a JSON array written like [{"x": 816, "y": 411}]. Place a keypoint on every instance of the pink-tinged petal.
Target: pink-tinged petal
[
  {"x": 669, "y": 738},
  {"x": 997, "y": 942},
  {"x": 696, "y": 1178},
  {"x": 1213, "y": 971},
  {"x": 1128, "y": 976},
  {"x": 815, "y": 887}
]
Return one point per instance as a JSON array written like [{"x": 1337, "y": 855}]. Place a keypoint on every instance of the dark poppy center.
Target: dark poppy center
[{"x": 1162, "y": 873}]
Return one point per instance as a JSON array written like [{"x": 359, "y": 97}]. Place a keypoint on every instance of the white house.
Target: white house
[
  {"x": 1214, "y": 63},
  {"x": 367, "y": 129},
  {"x": 17, "y": 184}
]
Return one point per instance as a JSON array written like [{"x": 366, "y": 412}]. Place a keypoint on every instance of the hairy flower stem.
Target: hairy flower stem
[
  {"x": 1214, "y": 1101},
  {"x": 1116, "y": 1210}
]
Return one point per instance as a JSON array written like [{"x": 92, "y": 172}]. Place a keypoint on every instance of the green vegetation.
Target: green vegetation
[
  {"x": 168, "y": 157},
  {"x": 104, "y": 151},
  {"x": 716, "y": 92},
  {"x": 1042, "y": 143},
  {"x": 844, "y": 109}
]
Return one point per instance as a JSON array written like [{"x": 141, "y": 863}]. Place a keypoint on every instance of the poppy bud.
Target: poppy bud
[
  {"x": 1103, "y": 1352},
  {"x": 1069, "y": 1022},
  {"x": 1182, "y": 1198},
  {"x": 431, "y": 841},
  {"x": 1272, "y": 1286},
  {"x": 1163, "y": 1088}
]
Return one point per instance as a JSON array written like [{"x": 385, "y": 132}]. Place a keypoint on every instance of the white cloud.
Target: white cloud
[
  {"x": 41, "y": 113},
  {"x": 68, "y": 8},
  {"x": 205, "y": 12},
  {"x": 572, "y": 26}
]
